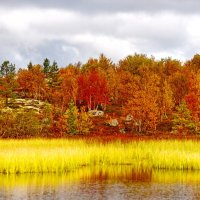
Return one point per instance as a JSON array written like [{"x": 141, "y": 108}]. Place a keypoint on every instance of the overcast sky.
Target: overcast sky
[{"x": 69, "y": 31}]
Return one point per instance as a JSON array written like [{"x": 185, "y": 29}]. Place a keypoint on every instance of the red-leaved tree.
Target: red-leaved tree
[{"x": 93, "y": 89}]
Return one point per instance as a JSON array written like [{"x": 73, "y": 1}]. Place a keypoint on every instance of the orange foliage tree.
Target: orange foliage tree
[
  {"x": 125, "y": 84},
  {"x": 93, "y": 89},
  {"x": 179, "y": 85},
  {"x": 143, "y": 102},
  {"x": 165, "y": 101},
  {"x": 193, "y": 97},
  {"x": 32, "y": 82},
  {"x": 67, "y": 87}
]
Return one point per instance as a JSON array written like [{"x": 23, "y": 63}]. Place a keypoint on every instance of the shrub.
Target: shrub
[
  {"x": 84, "y": 122},
  {"x": 182, "y": 120},
  {"x": 72, "y": 118},
  {"x": 21, "y": 124},
  {"x": 77, "y": 122}
]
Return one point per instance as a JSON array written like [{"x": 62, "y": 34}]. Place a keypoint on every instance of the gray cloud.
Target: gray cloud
[
  {"x": 92, "y": 6},
  {"x": 69, "y": 34}
]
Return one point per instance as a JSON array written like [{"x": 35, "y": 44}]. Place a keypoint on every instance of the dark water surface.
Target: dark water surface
[{"x": 96, "y": 184}]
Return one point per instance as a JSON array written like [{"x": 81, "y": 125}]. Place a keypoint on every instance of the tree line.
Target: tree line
[{"x": 154, "y": 92}]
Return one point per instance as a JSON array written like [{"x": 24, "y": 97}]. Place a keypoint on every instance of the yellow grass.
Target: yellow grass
[
  {"x": 58, "y": 156},
  {"x": 88, "y": 174}
]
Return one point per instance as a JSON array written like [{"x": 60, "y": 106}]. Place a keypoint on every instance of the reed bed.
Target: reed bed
[
  {"x": 61, "y": 155},
  {"x": 87, "y": 174}
]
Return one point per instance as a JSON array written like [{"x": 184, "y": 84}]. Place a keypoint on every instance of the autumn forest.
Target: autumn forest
[{"x": 139, "y": 95}]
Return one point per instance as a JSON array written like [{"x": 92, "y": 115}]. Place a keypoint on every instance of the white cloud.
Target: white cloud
[{"x": 69, "y": 36}]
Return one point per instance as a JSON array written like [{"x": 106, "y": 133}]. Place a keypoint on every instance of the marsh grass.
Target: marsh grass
[
  {"x": 61, "y": 156},
  {"x": 87, "y": 174}
]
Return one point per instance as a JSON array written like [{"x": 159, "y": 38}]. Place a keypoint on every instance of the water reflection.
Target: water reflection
[{"x": 122, "y": 182}]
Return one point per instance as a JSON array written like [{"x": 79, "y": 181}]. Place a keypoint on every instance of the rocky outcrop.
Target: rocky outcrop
[{"x": 26, "y": 104}]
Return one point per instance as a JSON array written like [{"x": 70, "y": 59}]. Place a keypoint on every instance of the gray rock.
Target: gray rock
[
  {"x": 113, "y": 122},
  {"x": 122, "y": 130},
  {"x": 96, "y": 113},
  {"x": 129, "y": 117}
]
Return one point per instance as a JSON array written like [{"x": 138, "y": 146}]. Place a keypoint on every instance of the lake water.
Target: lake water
[{"x": 112, "y": 183}]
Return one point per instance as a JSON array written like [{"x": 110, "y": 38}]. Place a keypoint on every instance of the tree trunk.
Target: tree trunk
[
  {"x": 140, "y": 126},
  {"x": 6, "y": 101}
]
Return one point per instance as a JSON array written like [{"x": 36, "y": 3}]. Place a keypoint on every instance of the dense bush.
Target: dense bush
[
  {"x": 182, "y": 120},
  {"x": 77, "y": 122},
  {"x": 21, "y": 124},
  {"x": 84, "y": 122}
]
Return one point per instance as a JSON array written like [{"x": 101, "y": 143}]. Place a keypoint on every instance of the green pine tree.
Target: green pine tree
[
  {"x": 7, "y": 80},
  {"x": 72, "y": 118},
  {"x": 46, "y": 65},
  {"x": 182, "y": 119}
]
